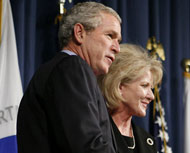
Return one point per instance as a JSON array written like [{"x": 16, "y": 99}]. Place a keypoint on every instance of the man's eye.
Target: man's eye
[{"x": 109, "y": 35}]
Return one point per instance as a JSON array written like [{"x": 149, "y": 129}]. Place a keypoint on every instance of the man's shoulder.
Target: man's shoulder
[
  {"x": 63, "y": 63},
  {"x": 70, "y": 60},
  {"x": 63, "y": 60}
]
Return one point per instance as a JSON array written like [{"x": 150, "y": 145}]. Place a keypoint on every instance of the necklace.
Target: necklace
[{"x": 132, "y": 147}]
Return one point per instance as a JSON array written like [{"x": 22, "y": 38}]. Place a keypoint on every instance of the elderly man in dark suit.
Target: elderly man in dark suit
[{"x": 62, "y": 110}]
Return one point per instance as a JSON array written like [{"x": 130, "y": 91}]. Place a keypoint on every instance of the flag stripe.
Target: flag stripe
[{"x": 8, "y": 145}]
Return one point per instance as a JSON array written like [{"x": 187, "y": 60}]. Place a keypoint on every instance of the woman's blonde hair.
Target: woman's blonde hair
[{"x": 129, "y": 65}]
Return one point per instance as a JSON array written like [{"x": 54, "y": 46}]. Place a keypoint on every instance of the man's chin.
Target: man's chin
[
  {"x": 106, "y": 70},
  {"x": 101, "y": 72}
]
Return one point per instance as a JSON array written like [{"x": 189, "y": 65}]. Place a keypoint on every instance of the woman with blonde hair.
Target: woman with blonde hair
[{"x": 128, "y": 90}]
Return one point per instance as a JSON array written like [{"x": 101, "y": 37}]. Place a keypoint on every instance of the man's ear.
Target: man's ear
[{"x": 79, "y": 32}]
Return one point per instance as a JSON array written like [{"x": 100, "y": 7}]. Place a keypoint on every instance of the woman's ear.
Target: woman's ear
[
  {"x": 79, "y": 32},
  {"x": 120, "y": 89}
]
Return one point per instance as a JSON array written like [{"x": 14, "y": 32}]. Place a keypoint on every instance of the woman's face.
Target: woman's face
[{"x": 137, "y": 95}]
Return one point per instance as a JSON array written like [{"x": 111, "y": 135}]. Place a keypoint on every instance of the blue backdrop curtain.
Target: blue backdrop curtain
[{"x": 167, "y": 20}]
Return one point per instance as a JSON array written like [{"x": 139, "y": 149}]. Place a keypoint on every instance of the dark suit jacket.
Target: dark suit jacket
[
  {"x": 143, "y": 140},
  {"x": 63, "y": 111}
]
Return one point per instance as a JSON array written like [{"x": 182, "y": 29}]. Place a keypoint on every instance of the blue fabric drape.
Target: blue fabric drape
[
  {"x": 36, "y": 34},
  {"x": 168, "y": 20},
  {"x": 24, "y": 16}
]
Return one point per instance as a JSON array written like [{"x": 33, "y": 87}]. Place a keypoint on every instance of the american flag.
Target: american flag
[{"x": 159, "y": 128}]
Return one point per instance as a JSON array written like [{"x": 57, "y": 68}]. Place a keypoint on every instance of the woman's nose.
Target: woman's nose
[{"x": 150, "y": 95}]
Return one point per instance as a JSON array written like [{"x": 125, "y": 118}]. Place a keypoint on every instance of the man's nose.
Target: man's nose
[{"x": 115, "y": 46}]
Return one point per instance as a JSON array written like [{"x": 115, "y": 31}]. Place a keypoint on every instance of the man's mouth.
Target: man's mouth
[{"x": 111, "y": 58}]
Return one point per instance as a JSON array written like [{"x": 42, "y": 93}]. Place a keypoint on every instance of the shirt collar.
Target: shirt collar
[{"x": 69, "y": 52}]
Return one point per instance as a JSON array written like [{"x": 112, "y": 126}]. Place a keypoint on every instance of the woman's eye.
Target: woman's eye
[{"x": 144, "y": 85}]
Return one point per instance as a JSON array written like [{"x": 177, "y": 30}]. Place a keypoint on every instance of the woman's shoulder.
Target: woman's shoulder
[
  {"x": 144, "y": 139},
  {"x": 141, "y": 131}
]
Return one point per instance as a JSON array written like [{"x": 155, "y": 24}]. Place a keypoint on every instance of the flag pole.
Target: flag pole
[
  {"x": 62, "y": 10},
  {"x": 185, "y": 64},
  {"x": 1, "y": 5}
]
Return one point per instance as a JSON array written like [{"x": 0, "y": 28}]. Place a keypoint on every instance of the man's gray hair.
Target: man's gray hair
[{"x": 88, "y": 14}]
